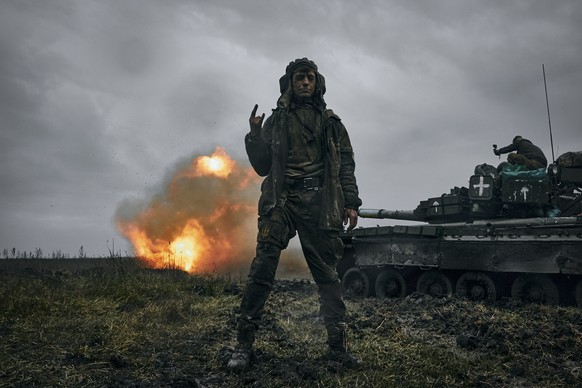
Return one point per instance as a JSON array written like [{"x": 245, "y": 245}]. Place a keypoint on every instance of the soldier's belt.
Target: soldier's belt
[{"x": 304, "y": 184}]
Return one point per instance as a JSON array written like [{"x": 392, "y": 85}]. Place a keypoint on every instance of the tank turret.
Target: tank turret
[{"x": 512, "y": 193}]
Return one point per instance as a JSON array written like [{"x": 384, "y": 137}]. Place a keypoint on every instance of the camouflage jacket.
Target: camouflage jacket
[{"x": 268, "y": 155}]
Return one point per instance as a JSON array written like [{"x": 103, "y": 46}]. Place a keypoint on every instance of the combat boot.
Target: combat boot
[
  {"x": 337, "y": 339},
  {"x": 241, "y": 357}
]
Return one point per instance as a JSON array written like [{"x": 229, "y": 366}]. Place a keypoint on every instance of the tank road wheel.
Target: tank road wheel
[
  {"x": 435, "y": 284},
  {"x": 390, "y": 284},
  {"x": 356, "y": 283},
  {"x": 579, "y": 293},
  {"x": 476, "y": 286},
  {"x": 533, "y": 288}
]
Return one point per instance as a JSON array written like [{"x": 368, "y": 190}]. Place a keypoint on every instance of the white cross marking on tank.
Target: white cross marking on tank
[{"x": 481, "y": 186}]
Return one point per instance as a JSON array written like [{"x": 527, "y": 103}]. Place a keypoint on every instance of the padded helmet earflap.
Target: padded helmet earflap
[
  {"x": 284, "y": 83},
  {"x": 320, "y": 83}
]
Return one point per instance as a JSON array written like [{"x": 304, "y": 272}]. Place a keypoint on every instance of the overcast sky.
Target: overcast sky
[{"x": 99, "y": 100}]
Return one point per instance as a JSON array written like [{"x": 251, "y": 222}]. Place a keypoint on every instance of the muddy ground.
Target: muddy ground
[
  {"x": 533, "y": 342},
  {"x": 186, "y": 337}
]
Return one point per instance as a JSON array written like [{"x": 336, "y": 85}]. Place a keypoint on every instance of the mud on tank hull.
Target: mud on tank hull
[{"x": 534, "y": 260}]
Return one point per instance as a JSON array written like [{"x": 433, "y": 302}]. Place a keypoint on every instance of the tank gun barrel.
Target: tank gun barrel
[{"x": 393, "y": 214}]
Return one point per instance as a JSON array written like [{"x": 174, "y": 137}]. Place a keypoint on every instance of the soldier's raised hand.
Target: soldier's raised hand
[{"x": 256, "y": 122}]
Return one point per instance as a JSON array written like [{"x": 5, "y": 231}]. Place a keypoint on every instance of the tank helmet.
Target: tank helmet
[
  {"x": 517, "y": 139},
  {"x": 300, "y": 62},
  {"x": 285, "y": 80}
]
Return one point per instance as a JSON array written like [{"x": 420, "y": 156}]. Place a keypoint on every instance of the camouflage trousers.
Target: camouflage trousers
[
  {"x": 530, "y": 164},
  {"x": 298, "y": 213}
]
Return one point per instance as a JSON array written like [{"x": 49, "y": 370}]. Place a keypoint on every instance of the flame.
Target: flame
[
  {"x": 204, "y": 219},
  {"x": 218, "y": 164}
]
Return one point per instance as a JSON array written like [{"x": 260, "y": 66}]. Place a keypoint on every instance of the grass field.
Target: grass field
[{"x": 116, "y": 324}]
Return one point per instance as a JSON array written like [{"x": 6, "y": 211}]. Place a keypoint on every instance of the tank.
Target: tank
[{"x": 511, "y": 233}]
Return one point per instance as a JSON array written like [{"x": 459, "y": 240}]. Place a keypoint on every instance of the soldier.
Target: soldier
[
  {"x": 527, "y": 154},
  {"x": 304, "y": 151}
]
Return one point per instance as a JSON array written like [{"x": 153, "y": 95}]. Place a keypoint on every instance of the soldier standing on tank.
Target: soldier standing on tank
[
  {"x": 304, "y": 152},
  {"x": 528, "y": 154}
]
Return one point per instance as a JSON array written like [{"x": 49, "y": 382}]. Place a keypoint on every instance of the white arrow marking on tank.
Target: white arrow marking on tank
[
  {"x": 481, "y": 186},
  {"x": 436, "y": 204},
  {"x": 524, "y": 191}
]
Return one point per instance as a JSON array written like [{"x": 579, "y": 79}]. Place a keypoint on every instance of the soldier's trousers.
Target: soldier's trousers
[
  {"x": 530, "y": 164},
  {"x": 299, "y": 213}
]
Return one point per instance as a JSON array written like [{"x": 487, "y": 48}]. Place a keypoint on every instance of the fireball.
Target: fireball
[{"x": 203, "y": 221}]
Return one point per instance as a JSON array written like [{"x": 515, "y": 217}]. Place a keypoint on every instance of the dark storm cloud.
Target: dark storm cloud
[{"x": 99, "y": 98}]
